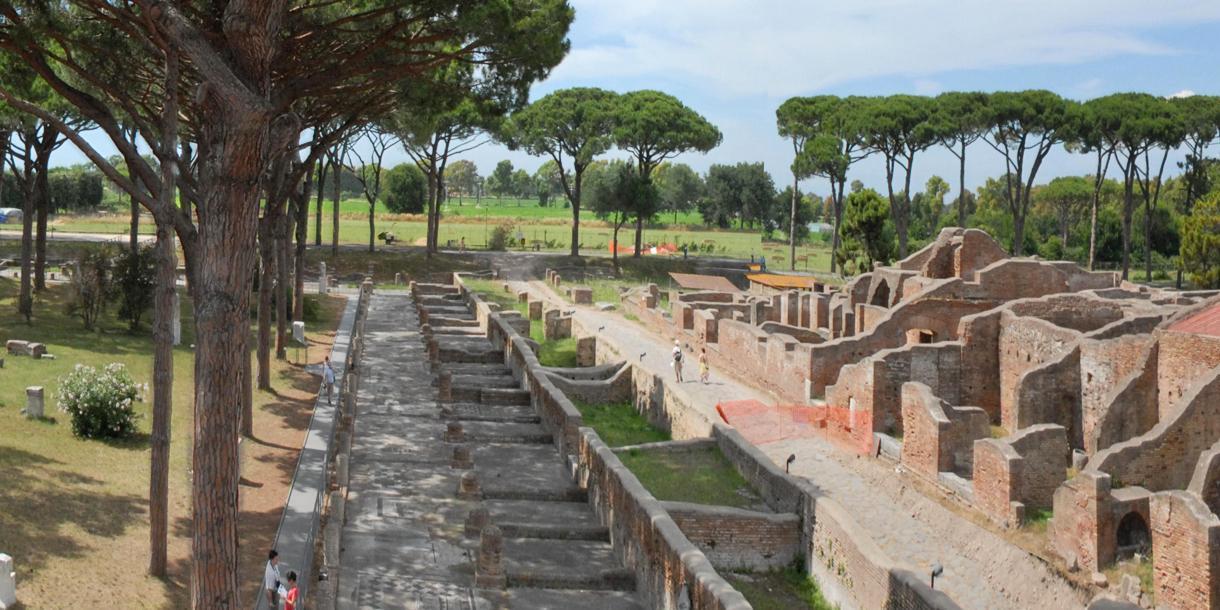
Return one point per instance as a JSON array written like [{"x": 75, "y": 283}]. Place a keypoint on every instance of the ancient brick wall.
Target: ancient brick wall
[
  {"x": 781, "y": 491},
  {"x": 646, "y": 538},
  {"x": 1050, "y": 394},
  {"x": 1019, "y": 472},
  {"x": 937, "y": 437},
  {"x": 737, "y": 539},
  {"x": 1185, "y": 552},
  {"x": 1118, "y": 390},
  {"x": 980, "y": 382},
  {"x": 1205, "y": 482},
  {"x": 852, "y": 571},
  {"x": 1026, "y": 343},
  {"x": 1165, "y": 456},
  {"x": 1012, "y": 279},
  {"x": 1082, "y": 518},
  {"x": 1184, "y": 358},
  {"x": 804, "y": 335}
]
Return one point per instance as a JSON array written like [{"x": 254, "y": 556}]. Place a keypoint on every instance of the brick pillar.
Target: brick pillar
[{"x": 489, "y": 569}]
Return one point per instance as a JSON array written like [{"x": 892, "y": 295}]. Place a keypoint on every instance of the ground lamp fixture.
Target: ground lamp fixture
[
  {"x": 788, "y": 464},
  {"x": 937, "y": 570}
]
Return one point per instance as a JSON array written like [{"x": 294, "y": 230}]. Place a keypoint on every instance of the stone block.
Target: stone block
[
  {"x": 523, "y": 296},
  {"x": 582, "y": 295},
  {"x": 8, "y": 582},
  {"x": 556, "y": 325},
  {"x": 34, "y": 402},
  {"x": 535, "y": 310},
  {"x": 586, "y": 351}
]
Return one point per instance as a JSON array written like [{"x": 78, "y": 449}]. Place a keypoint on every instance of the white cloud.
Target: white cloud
[
  {"x": 1182, "y": 93},
  {"x": 779, "y": 48}
]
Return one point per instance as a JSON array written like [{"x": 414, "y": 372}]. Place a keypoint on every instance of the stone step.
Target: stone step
[
  {"x": 534, "y": 599},
  {"x": 480, "y": 412},
  {"x": 477, "y": 369},
  {"x": 505, "y": 396},
  {"x": 564, "y": 564},
  {"x": 555, "y": 532},
  {"x": 571, "y": 494}
]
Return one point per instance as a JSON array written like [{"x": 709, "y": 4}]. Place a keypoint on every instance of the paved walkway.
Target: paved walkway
[
  {"x": 405, "y": 542},
  {"x": 982, "y": 570}
]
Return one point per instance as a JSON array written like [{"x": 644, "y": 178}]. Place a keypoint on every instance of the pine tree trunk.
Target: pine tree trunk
[
  {"x": 43, "y": 201},
  {"x": 25, "y": 300},
  {"x": 134, "y": 239},
  {"x": 298, "y": 275},
  {"x": 639, "y": 237},
  {"x": 961, "y": 197},
  {"x": 283, "y": 287},
  {"x": 335, "y": 201},
  {"x": 163, "y": 395},
  {"x": 233, "y": 145},
  {"x": 317, "y": 225},
  {"x": 792, "y": 227},
  {"x": 266, "y": 282}
]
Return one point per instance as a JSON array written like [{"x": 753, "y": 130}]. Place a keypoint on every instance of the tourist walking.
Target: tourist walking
[
  {"x": 271, "y": 578},
  {"x": 328, "y": 379},
  {"x": 703, "y": 368},
  {"x": 678, "y": 361}
]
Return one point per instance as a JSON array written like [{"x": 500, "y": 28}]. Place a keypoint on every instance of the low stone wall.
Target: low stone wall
[
  {"x": 737, "y": 539},
  {"x": 643, "y": 535},
  {"x": 781, "y": 491},
  {"x": 852, "y": 571},
  {"x": 938, "y": 437},
  {"x": 297, "y": 535},
  {"x": 1020, "y": 471},
  {"x": 612, "y": 390}
]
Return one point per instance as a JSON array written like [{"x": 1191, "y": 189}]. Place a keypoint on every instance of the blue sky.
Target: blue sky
[{"x": 735, "y": 61}]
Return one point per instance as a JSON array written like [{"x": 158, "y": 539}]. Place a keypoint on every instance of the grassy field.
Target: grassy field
[
  {"x": 549, "y": 228},
  {"x": 620, "y": 425},
  {"x": 74, "y": 513},
  {"x": 784, "y": 589},
  {"x": 701, "y": 476}
]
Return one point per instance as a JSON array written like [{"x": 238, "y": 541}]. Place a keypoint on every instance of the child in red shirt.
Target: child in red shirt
[{"x": 290, "y": 600}]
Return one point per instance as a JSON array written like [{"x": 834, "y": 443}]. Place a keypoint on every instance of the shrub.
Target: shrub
[
  {"x": 91, "y": 285},
  {"x": 406, "y": 189},
  {"x": 501, "y": 236},
  {"x": 99, "y": 401},
  {"x": 135, "y": 279},
  {"x": 311, "y": 309}
]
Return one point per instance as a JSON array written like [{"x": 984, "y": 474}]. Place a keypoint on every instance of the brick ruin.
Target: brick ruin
[{"x": 1016, "y": 385}]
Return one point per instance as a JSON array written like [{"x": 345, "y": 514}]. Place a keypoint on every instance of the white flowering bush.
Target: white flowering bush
[{"x": 99, "y": 401}]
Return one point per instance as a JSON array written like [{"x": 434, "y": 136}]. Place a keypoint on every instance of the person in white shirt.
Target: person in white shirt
[
  {"x": 328, "y": 379},
  {"x": 271, "y": 578},
  {"x": 678, "y": 361}
]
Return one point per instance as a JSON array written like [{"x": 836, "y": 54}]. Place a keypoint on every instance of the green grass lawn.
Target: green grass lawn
[
  {"x": 620, "y": 425},
  {"x": 784, "y": 589},
  {"x": 700, "y": 476},
  {"x": 74, "y": 511},
  {"x": 550, "y": 226}
]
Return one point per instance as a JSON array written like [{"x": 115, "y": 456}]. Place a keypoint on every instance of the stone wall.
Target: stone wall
[
  {"x": 852, "y": 571},
  {"x": 1026, "y": 343},
  {"x": 1205, "y": 482},
  {"x": 1184, "y": 358},
  {"x": 781, "y": 491},
  {"x": 875, "y": 383},
  {"x": 938, "y": 437},
  {"x": 1118, "y": 390},
  {"x": 1165, "y": 456},
  {"x": 646, "y": 538},
  {"x": 1185, "y": 552},
  {"x": 737, "y": 539},
  {"x": 1019, "y": 471}
]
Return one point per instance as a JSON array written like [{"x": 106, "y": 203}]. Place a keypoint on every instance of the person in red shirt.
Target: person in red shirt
[{"x": 290, "y": 600}]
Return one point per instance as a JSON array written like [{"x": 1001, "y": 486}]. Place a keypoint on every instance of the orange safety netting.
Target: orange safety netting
[
  {"x": 761, "y": 423},
  {"x": 663, "y": 249}
]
